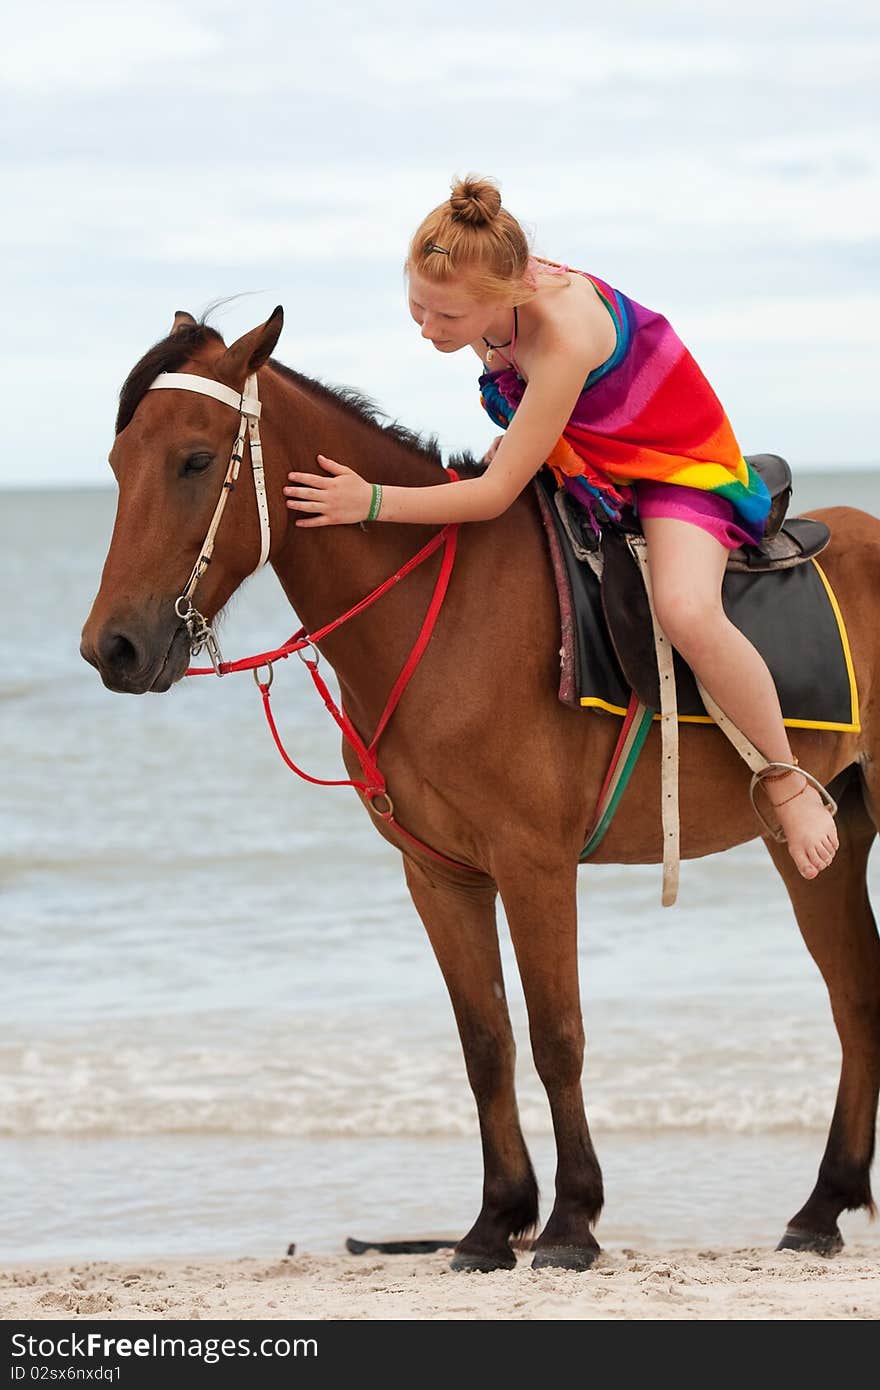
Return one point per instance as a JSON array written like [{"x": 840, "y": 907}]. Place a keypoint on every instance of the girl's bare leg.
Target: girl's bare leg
[{"x": 687, "y": 565}]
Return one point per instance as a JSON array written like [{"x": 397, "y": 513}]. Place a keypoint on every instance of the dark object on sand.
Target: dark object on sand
[
  {"x": 399, "y": 1247},
  {"x": 291, "y": 1249},
  {"x": 415, "y": 1247}
]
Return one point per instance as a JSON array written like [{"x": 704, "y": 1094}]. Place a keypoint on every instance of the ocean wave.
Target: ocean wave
[{"x": 379, "y": 1091}]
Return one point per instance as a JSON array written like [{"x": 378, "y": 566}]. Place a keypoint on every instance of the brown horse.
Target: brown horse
[{"x": 483, "y": 761}]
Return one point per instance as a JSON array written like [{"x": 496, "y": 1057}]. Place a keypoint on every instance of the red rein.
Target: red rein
[{"x": 373, "y": 785}]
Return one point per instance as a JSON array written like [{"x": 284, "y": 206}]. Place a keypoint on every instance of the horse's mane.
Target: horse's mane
[
  {"x": 172, "y": 352},
  {"x": 359, "y": 405},
  {"x": 168, "y": 355}
]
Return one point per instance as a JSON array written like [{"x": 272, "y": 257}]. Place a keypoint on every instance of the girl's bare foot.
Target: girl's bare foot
[{"x": 809, "y": 826}]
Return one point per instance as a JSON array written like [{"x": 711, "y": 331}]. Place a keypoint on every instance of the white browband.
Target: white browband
[
  {"x": 248, "y": 404},
  {"x": 187, "y": 381}
]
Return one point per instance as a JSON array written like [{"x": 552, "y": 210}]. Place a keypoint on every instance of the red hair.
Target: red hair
[{"x": 481, "y": 243}]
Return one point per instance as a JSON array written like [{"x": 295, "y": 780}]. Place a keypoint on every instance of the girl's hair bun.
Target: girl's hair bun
[
  {"x": 473, "y": 240},
  {"x": 476, "y": 202}
]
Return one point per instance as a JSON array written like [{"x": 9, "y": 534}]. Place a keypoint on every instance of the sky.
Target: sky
[{"x": 717, "y": 163}]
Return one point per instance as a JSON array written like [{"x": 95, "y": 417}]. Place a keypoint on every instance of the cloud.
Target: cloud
[
  {"x": 60, "y": 52},
  {"x": 80, "y": 49},
  {"x": 719, "y": 163},
  {"x": 833, "y": 321},
  {"x": 365, "y": 213}
]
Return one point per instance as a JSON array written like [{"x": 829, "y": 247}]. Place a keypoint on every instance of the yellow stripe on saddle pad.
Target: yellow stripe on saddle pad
[{"x": 791, "y": 616}]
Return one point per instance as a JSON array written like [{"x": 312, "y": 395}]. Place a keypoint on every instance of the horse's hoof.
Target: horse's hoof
[
  {"x": 464, "y": 1263},
  {"x": 577, "y": 1257},
  {"x": 811, "y": 1242}
]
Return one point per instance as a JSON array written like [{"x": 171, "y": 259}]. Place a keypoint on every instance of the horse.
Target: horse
[{"x": 493, "y": 778}]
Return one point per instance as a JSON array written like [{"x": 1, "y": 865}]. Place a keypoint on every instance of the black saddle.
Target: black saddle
[
  {"x": 787, "y": 540},
  {"x": 607, "y": 633}
]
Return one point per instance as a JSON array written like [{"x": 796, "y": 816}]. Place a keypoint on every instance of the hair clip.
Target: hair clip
[{"x": 432, "y": 246}]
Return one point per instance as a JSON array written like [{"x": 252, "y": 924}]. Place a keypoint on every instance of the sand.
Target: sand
[{"x": 684, "y": 1284}]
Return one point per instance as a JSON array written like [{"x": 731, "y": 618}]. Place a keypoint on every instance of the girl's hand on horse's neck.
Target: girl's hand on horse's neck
[{"x": 564, "y": 346}]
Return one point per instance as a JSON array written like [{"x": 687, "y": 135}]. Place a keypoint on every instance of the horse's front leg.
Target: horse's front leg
[
  {"x": 460, "y": 921},
  {"x": 540, "y": 899}
]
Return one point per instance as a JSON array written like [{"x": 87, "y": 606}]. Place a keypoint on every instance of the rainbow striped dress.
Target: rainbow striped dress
[{"x": 646, "y": 415}]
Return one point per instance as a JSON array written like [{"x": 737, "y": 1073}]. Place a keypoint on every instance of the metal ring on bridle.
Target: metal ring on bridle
[
  {"x": 264, "y": 685},
  {"x": 371, "y": 802},
  {"x": 308, "y": 646},
  {"x": 187, "y": 610}
]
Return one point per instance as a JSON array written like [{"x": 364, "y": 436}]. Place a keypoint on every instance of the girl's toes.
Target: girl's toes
[
  {"x": 806, "y": 867},
  {"x": 828, "y": 848}
]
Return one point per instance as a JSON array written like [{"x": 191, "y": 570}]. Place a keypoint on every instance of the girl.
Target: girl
[{"x": 602, "y": 391}]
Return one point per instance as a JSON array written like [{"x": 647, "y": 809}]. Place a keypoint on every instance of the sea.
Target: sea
[{"x": 223, "y": 1029}]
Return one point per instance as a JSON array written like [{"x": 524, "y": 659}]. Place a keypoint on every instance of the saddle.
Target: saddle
[
  {"x": 601, "y": 573},
  {"x": 615, "y": 656}
]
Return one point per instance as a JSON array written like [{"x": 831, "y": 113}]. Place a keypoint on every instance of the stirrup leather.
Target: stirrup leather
[{"x": 779, "y": 834}]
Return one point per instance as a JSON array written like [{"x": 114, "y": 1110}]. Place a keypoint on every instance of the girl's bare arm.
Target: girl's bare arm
[{"x": 556, "y": 380}]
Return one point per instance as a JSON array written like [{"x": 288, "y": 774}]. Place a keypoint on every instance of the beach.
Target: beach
[
  {"x": 682, "y": 1284},
  {"x": 226, "y": 1032}
]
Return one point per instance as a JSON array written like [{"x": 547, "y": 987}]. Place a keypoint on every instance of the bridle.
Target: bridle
[
  {"x": 201, "y": 634},
  {"x": 199, "y": 630}
]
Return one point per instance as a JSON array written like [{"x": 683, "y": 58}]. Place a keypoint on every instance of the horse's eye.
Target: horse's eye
[{"x": 197, "y": 463}]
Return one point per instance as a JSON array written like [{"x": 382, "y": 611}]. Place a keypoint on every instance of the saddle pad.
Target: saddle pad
[{"x": 790, "y": 615}]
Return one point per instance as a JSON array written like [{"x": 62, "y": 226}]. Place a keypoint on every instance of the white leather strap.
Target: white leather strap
[
  {"x": 669, "y": 815},
  {"x": 259, "y": 482},
  {"x": 750, "y": 755},
  {"x": 746, "y": 749},
  {"x": 229, "y": 482},
  {"x": 204, "y": 386},
  {"x": 248, "y": 403}
]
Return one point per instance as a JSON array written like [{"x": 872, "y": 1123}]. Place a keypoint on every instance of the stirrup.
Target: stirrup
[{"x": 779, "y": 834}]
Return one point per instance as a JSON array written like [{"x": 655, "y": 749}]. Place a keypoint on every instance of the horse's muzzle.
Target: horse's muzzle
[{"x": 133, "y": 659}]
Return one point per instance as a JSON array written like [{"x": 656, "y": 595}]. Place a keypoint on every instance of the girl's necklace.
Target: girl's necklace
[{"x": 492, "y": 347}]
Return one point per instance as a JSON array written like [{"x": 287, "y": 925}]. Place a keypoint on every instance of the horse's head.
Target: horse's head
[{"x": 170, "y": 457}]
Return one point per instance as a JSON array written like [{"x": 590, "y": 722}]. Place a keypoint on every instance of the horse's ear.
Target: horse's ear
[
  {"x": 250, "y": 351},
  {"x": 181, "y": 320}
]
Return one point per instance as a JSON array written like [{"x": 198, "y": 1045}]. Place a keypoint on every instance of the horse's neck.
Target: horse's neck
[
  {"x": 316, "y": 422},
  {"x": 325, "y": 570}
]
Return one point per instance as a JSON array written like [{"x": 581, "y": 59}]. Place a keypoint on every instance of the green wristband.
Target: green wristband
[{"x": 376, "y": 503}]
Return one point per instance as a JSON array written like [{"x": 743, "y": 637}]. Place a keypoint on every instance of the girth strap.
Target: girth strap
[{"x": 634, "y": 730}]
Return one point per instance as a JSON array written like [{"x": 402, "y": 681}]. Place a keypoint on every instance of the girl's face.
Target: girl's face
[{"x": 449, "y": 318}]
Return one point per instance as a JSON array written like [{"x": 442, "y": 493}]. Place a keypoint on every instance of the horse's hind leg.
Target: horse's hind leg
[
  {"x": 835, "y": 917},
  {"x": 540, "y": 900},
  {"x": 460, "y": 922}
]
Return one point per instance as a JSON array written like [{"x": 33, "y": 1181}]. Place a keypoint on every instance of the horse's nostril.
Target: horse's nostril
[{"x": 119, "y": 653}]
